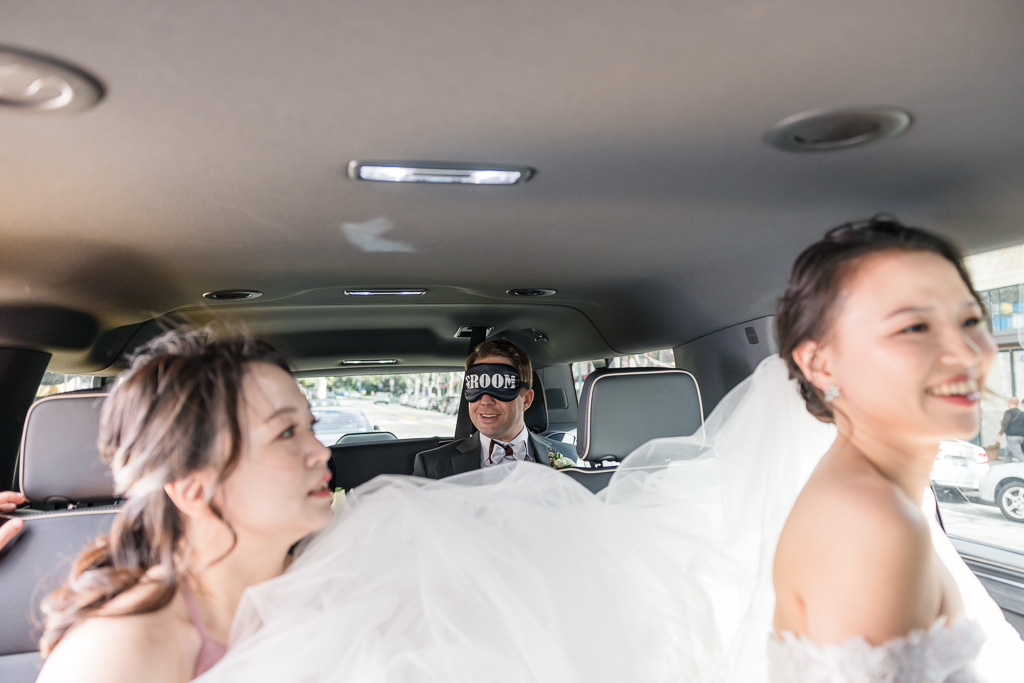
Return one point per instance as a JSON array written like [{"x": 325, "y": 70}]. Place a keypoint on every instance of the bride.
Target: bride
[
  {"x": 865, "y": 580},
  {"x": 520, "y": 574}
]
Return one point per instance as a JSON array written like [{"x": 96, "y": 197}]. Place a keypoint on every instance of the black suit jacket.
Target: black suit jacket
[{"x": 464, "y": 455}]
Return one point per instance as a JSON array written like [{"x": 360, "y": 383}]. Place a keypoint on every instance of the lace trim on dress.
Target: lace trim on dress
[{"x": 938, "y": 654}]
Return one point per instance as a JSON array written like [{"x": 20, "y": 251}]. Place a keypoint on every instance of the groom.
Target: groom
[{"x": 497, "y": 387}]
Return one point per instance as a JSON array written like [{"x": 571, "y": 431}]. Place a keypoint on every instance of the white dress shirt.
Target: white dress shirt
[{"x": 520, "y": 450}]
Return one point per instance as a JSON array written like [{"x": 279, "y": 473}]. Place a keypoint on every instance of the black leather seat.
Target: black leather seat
[
  {"x": 60, "y": 465},
  {"x": 357, "y": 463},
  {"x": 536, "y": 416},
  {"x": 621, "y": 409}
]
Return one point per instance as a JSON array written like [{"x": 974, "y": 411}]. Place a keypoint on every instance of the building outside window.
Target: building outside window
[{"x": 999, "y": 278}]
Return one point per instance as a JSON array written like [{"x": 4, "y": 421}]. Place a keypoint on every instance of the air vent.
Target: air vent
[
  {"x": 233, "y": 294},
  {"x": 531, "y": 291},
  {"x": 38, "y": 84},
  {"x": 825, "y": 130}
]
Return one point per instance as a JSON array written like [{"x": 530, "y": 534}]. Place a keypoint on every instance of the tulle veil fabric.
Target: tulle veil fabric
[{"x": 520, "y": 574}]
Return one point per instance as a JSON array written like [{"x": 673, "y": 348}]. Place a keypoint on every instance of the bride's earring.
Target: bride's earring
[{"x": 831, "y": 393}]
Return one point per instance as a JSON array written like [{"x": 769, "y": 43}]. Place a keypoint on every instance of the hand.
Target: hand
[{"x": 9, "y": 501}]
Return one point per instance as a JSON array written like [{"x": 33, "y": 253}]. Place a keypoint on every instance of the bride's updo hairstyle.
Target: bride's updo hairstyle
[
  {"x": 175, "y": 411},
  {"x": 808, "y": 309}
]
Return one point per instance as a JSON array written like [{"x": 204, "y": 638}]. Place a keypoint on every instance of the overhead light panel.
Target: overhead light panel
[
  {"x": 370, "y": 361},
  {"x": 385, "y": 292},
  {"x": 438, "y": 172}
]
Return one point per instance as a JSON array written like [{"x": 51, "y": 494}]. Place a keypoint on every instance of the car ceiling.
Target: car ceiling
[{"x": 217, "y": 160}]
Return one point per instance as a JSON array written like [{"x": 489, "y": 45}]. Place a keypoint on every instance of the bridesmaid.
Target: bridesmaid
[{"x": 212, "y": 447}]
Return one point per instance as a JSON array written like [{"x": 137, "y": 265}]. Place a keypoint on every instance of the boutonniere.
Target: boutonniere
[
  {"x": 557, "y": 460},
  {"x": 337, "y": 500}
]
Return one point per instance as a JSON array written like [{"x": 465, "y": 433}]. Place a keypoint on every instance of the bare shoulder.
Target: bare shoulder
[
  {"x": 856, "y": 555},
  {"x": 850, "y": 508},
  {"x": 155, "y": 647}
]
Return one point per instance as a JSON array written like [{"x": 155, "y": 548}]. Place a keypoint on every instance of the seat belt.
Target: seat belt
[{"x": 463, "y": 425}]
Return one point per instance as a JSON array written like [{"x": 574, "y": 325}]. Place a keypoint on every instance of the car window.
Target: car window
[
  {"x": 664, "y": 358},
  {"x": 409, "y": 405},
  {"x": 57, "y": 383},
  {"x": 980, "y": 485}
]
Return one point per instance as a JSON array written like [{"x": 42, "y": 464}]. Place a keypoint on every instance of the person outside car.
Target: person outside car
[{"x": 1013, "y": 426}]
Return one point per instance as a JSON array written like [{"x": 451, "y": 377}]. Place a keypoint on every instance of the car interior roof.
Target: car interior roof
[{"x": 217, "y": 160}]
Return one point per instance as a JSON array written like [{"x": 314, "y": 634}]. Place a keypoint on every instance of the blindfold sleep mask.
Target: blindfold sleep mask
[{"x": 494, "y": 379}]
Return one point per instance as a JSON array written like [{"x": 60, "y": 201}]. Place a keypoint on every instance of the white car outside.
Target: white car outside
[
  {"x": 960, "y": 465},
  {"x": 1004, "y": 486}
]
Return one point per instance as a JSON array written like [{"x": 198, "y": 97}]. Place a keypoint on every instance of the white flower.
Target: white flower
[
  {"x": 557, "y": 460},
  {"x": 337, "y": 499}
]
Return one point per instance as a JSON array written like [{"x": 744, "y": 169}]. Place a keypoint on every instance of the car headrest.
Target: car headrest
[
  {"x": 60, "y": 460},
  {"x": 364, "y": 437},
  {"x": 536, "y": 416},
  {"x": 621, "y": 409}
]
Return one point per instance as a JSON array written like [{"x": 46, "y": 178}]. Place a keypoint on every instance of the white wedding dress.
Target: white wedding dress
[
  {"x": 980, "y": 646},
  {"x": 520, "y": 574}
]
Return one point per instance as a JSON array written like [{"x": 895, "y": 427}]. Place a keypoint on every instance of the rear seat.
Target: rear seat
[
  {"x": 60, "y": 466},
  {"x": 621, "y": 409},
  {"x": 357, "y": 463}
]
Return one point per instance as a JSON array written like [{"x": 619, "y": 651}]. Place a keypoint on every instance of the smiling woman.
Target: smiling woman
[
  {"x": 885, "y": 333},
  {"x": 202, "y": 434}
]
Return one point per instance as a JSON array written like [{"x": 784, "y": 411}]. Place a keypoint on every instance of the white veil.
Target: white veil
[
  {"x": 520, "y": 574},
  {"x": 717, "y": 503}
]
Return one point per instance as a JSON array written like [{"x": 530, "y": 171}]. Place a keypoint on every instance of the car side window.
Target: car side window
[
  {"x": 980, "y": 485},
  {"x": 664, "y": 358},
  {"x": 57, "y": 383}
]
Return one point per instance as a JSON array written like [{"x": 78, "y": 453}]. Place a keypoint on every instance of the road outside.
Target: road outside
[{"x": 984, "y": 523}]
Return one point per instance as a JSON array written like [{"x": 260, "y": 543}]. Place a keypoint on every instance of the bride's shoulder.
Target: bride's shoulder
[
  {"x": 855, "y": 555},
  {"x": 845, "y": 506}
]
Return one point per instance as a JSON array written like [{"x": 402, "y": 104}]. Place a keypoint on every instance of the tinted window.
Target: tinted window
[
  {"x": 56, "y": 383},
  {"x": 664, "y": 358}
]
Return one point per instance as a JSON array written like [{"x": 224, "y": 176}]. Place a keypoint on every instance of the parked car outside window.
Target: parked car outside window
[
  {"x": 334, "y": 423},
  {"x": 1003, "y": 485},
  {"x": 959, "y": 466}
]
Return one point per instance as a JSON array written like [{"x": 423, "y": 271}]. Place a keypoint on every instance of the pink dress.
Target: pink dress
[{"x": 210, "y": 651}]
